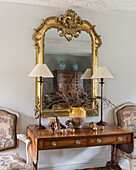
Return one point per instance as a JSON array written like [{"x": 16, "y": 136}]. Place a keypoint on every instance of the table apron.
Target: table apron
[{"x": 45, "y": 144}]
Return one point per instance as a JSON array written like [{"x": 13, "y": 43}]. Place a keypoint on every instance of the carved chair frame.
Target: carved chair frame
[{"x": 131, "y": 157}]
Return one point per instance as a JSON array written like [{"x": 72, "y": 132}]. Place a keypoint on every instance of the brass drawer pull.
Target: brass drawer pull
[
  {"x": 78, "y": 142},
  {"x": 99, "y": 140},
  {"x": 120, "y": 139},
  {"x": 54, "y": 144}
]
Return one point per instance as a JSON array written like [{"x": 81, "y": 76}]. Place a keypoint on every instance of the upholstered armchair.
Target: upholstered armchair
[
  {"x": 9, "y": 141},
  {"x": 125, "y": 117}
]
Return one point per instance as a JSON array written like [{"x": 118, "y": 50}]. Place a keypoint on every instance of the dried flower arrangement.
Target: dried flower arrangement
[
  {"x": 72, "y": 97},
  {"x": 63, "y": 99}
]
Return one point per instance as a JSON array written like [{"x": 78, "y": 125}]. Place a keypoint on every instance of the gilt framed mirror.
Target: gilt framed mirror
[{"x": 68, "y": 45}]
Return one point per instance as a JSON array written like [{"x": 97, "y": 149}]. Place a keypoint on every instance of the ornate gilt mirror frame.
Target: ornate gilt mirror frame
[{"x": 70, "y": 26}]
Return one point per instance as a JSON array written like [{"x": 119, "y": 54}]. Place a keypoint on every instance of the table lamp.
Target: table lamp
[
  {"x": 41, "y": 71},
  {"x": 87, "y": 74},
  {"x": 102, "y": 73}
]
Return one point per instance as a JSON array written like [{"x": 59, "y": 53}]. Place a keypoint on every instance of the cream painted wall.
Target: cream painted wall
[{"x": 17, "y": 56}]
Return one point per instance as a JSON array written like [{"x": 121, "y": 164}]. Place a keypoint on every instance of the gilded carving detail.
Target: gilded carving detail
[
  {"x": 37, "y": 35},
  {"x": 70, "y": 20},
  {"x": 71, "y": 23}
]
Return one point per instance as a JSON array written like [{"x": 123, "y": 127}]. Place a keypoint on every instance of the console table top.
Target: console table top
[{"x": 85, "y": 131}]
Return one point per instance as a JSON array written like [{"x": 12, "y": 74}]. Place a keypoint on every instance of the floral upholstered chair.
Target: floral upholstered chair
[
  {"x": 125, "y": 117},
  {"x": 8, "y": 141}
]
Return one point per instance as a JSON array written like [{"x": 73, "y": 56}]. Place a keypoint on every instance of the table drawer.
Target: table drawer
[
  {"x": 59, "y": 144},
  {"x": 109, "y": 140}
]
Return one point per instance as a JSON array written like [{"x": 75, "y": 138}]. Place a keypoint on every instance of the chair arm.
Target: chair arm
[{"x": 27, "y": 141}]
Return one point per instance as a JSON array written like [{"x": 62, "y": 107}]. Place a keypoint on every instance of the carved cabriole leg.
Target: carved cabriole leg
[
  {"x": 131, "y": 163},
  {"x": 34, "y": 152},
  {"x": 113, "y": 164},
  {"x": 35, "y": 166}
]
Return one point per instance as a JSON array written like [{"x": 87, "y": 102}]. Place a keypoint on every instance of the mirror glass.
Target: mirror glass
[{"x": 65, "y": 59}]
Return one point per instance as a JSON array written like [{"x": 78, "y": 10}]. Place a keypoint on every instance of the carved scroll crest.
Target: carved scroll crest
[{"x": 70, "y": 22}]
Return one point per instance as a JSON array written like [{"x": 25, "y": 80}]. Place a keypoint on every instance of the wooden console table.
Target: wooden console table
[{"x": 85, "y": 137}]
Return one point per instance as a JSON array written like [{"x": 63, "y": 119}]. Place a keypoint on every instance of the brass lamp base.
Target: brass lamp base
[
  {"x": 101, "y": 123},
  {"x": 38, "y": 127}
]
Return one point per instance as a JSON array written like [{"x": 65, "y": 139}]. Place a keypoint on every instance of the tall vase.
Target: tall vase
[
  {"x": 77, "y": 115},
  {"x": 75, "y": 66},
  {"x": 62, "y": 65}
]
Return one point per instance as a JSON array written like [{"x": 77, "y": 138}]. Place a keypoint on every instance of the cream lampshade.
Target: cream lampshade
[
  {"x": 41, "y": 71},
  {"x": 87, "y": 74},
  {"x": 102, "y": 73}
]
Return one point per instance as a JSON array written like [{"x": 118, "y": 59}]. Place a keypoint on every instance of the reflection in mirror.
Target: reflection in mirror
[{"x": 67, "y": 60}]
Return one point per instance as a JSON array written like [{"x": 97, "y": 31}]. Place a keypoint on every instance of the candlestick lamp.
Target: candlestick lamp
[
  {"x": 41, "y": 71},
  {"x": 102, "y": 73}
]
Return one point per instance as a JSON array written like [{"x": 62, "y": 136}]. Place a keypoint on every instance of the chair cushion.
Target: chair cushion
[
  {"x": 8, "y": 122},
  {"x": 127, "y": 118},
  {"x": 11, "y": 162}
]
